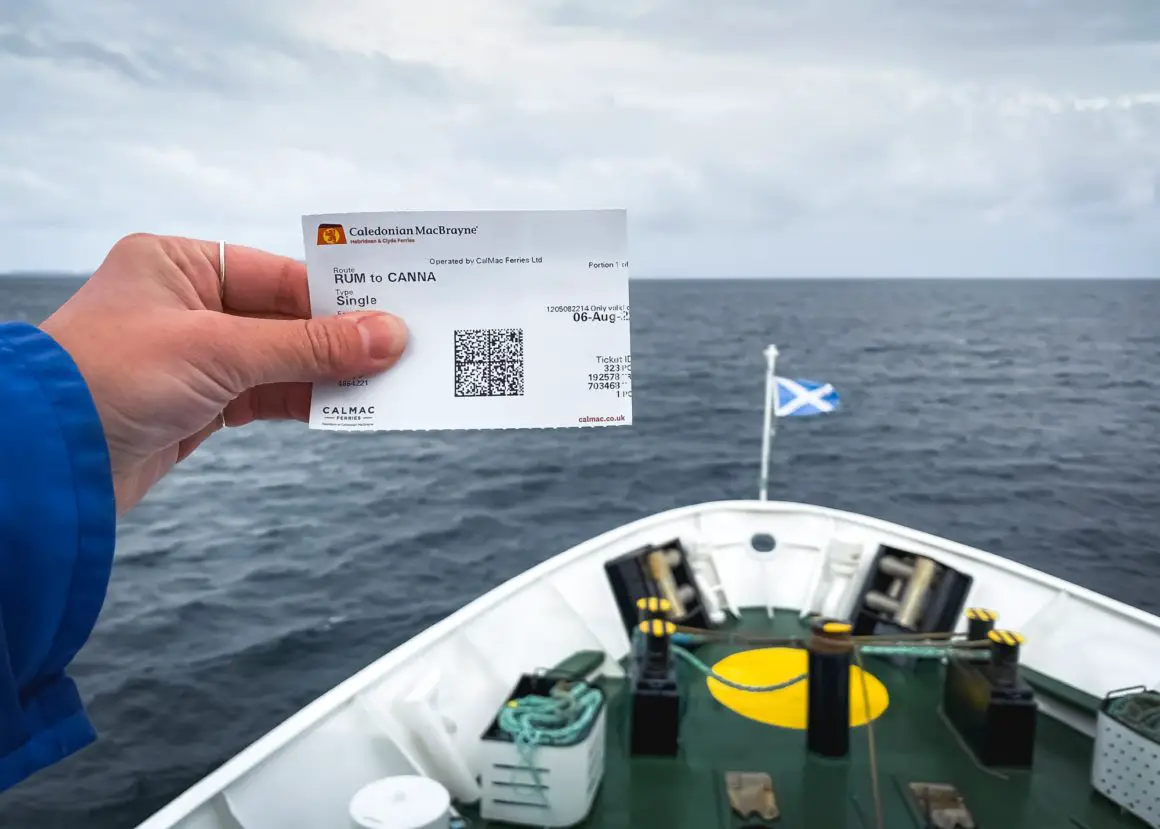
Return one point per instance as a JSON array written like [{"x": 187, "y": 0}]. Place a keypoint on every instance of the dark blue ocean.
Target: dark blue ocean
[{"x": 1020, "y": 417}]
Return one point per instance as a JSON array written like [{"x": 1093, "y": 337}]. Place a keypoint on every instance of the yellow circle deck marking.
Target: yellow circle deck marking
[{"x": 786, "y": 708}]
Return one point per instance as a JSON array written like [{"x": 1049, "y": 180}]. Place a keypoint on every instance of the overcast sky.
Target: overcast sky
[{"x": 745, "y": 137}]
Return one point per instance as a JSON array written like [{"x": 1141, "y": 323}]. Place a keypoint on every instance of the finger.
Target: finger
[
  {"x": 185, "y": 448},
  {"x": 244, "y": 352},
  {"x": 276, "y": 401},
  {"x": 258, "y": 282}
]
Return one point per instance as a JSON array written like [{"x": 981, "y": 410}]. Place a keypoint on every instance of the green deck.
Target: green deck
[{"x": 914, "y": 744}]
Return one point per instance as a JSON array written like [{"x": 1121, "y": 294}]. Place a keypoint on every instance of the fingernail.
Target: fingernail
[{"x": 384, "y": 336}]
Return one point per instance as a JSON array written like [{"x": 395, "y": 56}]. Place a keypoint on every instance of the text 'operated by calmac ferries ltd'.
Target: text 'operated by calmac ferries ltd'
[{"x": 517, "y": 319}]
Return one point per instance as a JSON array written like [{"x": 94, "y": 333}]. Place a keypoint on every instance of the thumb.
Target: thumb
[{"x": 260, "y": 351}]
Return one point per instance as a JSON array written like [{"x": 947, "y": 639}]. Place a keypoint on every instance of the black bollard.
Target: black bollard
[
  {"x": 1005, "y": 654},
  {"x": 828, "y": 712},
  {"x": 656, "y": 701},
  {"x": 980, "y": 622},
  {"x": 652, "y": 607},
  {"x": 657, "y": 660}
]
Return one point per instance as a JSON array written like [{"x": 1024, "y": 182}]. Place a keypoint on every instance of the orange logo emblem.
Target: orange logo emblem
[{"x": 331, "y": 235}]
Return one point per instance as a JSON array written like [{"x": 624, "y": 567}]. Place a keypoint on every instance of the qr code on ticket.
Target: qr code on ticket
[{"x": 489, "y": 362}]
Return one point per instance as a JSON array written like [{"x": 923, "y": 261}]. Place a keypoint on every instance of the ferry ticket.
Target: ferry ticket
[{"x": 517, "y": 319}]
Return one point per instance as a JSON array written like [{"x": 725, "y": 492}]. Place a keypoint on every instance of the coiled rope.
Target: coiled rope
[
  {"x": 555, "y": 720},
  {"x": 1140, "y": 711}
]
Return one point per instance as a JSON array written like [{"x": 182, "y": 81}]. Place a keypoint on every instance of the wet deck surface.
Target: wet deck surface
[{"x": 914, "y": 744}]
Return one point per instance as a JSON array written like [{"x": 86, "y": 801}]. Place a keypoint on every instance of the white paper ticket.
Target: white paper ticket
[{"x": 517, "y": 319}]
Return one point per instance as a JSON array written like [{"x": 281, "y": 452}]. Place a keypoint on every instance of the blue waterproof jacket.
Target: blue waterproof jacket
[{"x": 57, "y": 530}]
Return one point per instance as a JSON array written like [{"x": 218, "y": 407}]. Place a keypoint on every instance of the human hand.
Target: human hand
[{"x": 170, "y": 355}]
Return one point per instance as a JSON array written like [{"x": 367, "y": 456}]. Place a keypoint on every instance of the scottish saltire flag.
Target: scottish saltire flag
[{"x": 804, "y": 397}]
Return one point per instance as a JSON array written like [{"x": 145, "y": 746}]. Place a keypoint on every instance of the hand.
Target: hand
[{"x": 169, "y": 359}]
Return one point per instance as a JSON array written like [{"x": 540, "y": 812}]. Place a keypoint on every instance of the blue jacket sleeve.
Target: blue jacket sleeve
[{"x": 57, "y": 532}]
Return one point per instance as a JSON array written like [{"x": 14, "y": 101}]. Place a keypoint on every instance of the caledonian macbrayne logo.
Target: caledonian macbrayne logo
[{"x": 331, "y": 235}]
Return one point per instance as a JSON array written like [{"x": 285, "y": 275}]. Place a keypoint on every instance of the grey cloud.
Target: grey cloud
[
  {"x": 214, "y": 47},
  {"x": 70, "y": 51},
  {"x": 1073, "y": 45},
  {"x": 987, "y": 24},
  {"x": 19, "y": 14}
]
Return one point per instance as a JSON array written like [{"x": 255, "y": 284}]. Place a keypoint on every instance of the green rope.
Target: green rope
[
  {"x": 921, "y": 651},
  {"x": 556, "y": 720},
  {"x": 705, "y": 669},
  {"x": 924, "y": 651}
]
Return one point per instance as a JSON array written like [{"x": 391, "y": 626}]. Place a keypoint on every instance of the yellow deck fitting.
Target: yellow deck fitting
[
  {"x": 982, "y": 614},
  {"x": 786, "y": 708},
  {"x": 1006, "y": 637},
  {"x": 837, "y": 627},
  {"x": 654, "y": 604},
  {"x": 657, "y": 628}
]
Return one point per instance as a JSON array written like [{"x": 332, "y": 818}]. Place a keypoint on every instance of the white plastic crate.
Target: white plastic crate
[
  {"x": 1126, "y": 765},
  {"x": 569, "y": 777}
]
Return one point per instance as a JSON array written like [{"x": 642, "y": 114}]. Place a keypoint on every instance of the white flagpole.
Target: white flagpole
[{"x": 770, "y": 429}]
